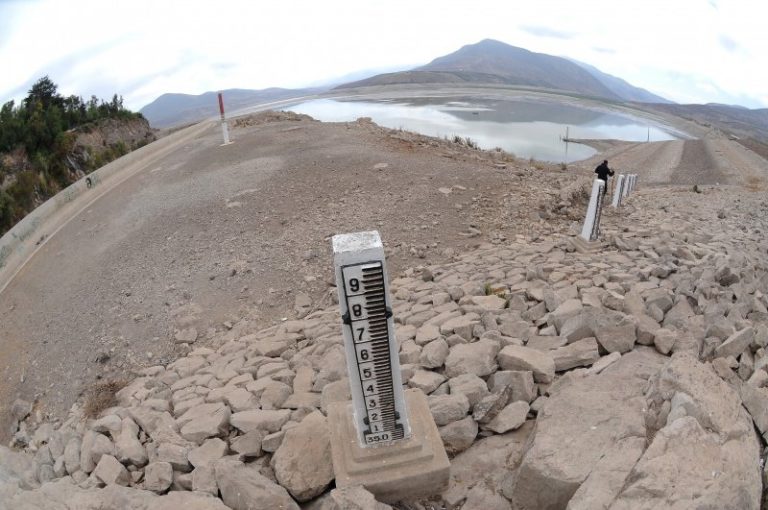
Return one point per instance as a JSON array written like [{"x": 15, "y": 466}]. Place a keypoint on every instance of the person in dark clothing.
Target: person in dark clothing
[{"x": 603, "y": 172}]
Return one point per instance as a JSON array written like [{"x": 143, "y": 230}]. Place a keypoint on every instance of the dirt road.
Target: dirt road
[{"x": 685, "y": 162}]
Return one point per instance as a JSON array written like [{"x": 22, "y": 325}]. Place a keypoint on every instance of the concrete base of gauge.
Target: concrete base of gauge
[
  {"x": 583, "y": 246},
  {"x": 410, "y": 468}
]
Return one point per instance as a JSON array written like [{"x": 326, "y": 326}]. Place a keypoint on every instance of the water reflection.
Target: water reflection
[{"x": 527, "y": 128}]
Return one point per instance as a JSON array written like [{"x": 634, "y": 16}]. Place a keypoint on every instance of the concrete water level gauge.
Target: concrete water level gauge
[{"x": 379, "y": 409}]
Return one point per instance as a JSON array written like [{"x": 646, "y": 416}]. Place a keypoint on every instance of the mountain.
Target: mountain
[
  {"x": 620, "y": 87},
  {"x": 495, "y": 62},
  {"x": 174, "y": 109}
]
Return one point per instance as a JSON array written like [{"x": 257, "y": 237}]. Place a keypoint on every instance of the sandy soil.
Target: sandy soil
[{"x": 211, "y": 234}]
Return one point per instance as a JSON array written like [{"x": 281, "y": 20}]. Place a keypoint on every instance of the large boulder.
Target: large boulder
[
  {"x": 706, "y": 454},
  {"x": 687, "y": 466},
  {"x": 303, "y": 463},
  {"x": 579, "y": 424},
  {"x": 487, "y": 461},
  {"x": 244, "y": 488}
]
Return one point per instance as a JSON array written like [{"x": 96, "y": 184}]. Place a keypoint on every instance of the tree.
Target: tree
[{"x": 45, "y": 91}]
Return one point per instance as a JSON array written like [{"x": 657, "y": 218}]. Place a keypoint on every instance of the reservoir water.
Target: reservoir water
[{"x": 528, "y": 128}]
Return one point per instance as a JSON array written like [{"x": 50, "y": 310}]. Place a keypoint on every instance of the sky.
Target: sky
[{"x": 689, "y": 51}]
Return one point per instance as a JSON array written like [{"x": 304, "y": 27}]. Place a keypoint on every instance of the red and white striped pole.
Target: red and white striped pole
[{"x": 224, "y": 129}]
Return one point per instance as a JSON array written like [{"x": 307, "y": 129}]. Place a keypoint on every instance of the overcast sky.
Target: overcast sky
[{"x": 685, "y": 50}]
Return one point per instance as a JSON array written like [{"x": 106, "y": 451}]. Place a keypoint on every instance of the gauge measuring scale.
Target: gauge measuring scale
[{"x": 379, "y": 411}]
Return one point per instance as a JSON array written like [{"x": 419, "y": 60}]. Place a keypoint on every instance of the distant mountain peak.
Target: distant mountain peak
[{"x": 495, "y": 62}]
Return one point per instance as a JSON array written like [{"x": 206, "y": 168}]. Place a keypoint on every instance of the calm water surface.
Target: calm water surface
[{"x": 527, "y": 128}]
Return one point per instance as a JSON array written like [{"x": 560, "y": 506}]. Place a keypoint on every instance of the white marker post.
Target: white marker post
[
  {"x": 385, "y": 440},
  {"x": 369, "y": 339},
  {"x": 591, "y": 228},
  {"x": 627, "y": 184},
  {"x": 224, "y": 129},
  {"x": 618, "y": 191}
]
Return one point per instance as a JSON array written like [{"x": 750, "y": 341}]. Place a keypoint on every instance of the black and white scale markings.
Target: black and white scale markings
[
  {"x": 598, "y": 214},
  {"x": 367, "y": 318}
]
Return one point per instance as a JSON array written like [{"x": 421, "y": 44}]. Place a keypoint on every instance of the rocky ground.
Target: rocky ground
[
  {"x": 209, "y": 235},
  {"x": 632, "y": 377}
]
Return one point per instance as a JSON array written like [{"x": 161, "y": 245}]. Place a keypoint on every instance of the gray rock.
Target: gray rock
[
  {"x": 240, "y": 399},
  {"x": 568, "y": 309},
  {"x": 268, "y": 421},
  {"x": 459, "y": 435},
  {"x": 608, "y": 476},
  {"x": 110, "y": 424},
  {"x": 249, "y": 444},
  {"x": 211, "y": 450},
  {"x": 244, "y": 488},
  {"x": 578, "y": 327},
  {"x": 158, "y": 476},
  {"x": 448, "y": 408},
  {"x": 509, "y": 418},
  {"x": 17, "y": 468},
  {"x": 614, "y": 331},
  {"x": 588, "y": 414},
  {"x": 204, "y": 480},
  {"x": 101, "y": 446},
  {"x": 128, "y": 449},
  {"x": 489, "y": 461},
  {"x": 351, "y": 498},
  {"x": 204, "y": 421},
  {"x": 513, "y": 357},
  {"x": 175, "y": 455},
  {"x": 659, "y": 297},
  {"x": 581, "y": 353},
  {"x": 756, "y": 402},
  {"x": 490, "y": 406},
  {"x": 337, "y": 391},
  {"x": 678, "y": 315},
  {"x": 471, "y": 386},
  {"x": 478, "y": 358},
  {"x": 482, "y": 497},
  {"x": 87, "y": 465},
  {"x": 302, "y": 463},
  {"x": 272, "y": 442},
  {"x": 434, "y": 354},
  {"x": 657, "y": 479},
  {"x": 736, "y": 343},
  {"x": 426, "y": 380},
  {"x": 110, "y": 471},
  {"x": 72, "y": 455},
  {"x": 664, "y": 340},
  {"x": 706, "y": 429},
  {"x": 160, "y": 426},
  {"x": 520, "y": 382}
]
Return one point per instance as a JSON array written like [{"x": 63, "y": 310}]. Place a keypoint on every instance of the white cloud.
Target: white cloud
[{"x": 687, "y": 50}]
